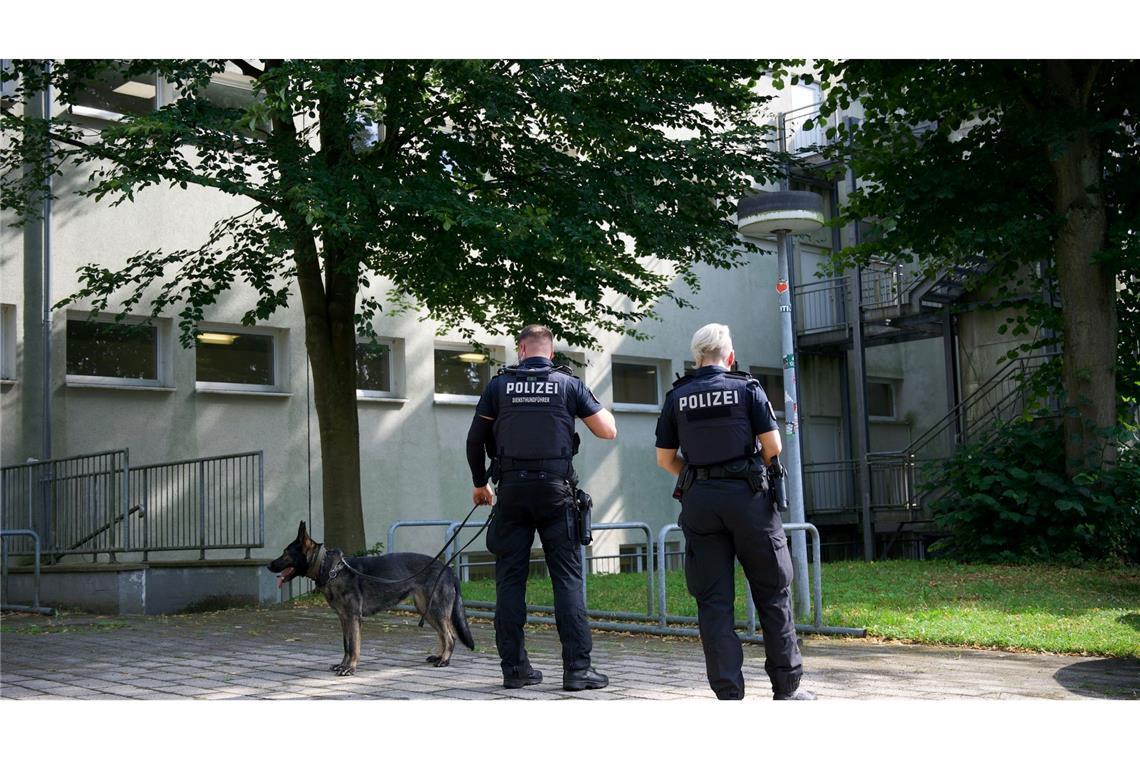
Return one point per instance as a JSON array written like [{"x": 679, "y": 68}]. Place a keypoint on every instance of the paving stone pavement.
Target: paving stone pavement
[{"x": 285, "y": 654}]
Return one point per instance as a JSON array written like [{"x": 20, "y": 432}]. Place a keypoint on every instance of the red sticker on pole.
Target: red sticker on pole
[{"x": 781, "y": 286}]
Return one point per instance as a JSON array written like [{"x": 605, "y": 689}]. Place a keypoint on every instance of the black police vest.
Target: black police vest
[
  {"x": 534, "y": 420},
  {"x": 712, "y": 418}
]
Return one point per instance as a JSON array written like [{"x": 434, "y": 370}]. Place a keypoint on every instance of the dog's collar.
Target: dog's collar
[
  {"x": 317, "y": 562},
  {"x": 327, "y": 569}
]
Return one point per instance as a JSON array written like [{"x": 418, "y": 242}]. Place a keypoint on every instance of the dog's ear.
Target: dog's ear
[{"x": 303, "y": 538}]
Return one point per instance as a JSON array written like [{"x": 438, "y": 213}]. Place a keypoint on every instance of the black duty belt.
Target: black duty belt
[
  {"x": 737, "y": 470},
  {"x": 537, "y": 469}
]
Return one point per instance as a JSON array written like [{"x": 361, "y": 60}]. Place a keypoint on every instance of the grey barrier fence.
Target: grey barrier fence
[
  {"x": 648, "y": 551},
  {"x": 35, "y": 605},
  {"x": 633, "y": 622},
  {"x": 199, "y": 504},
  {"x": 98, "y": 504},
  {"x": 75, "y": 505}
]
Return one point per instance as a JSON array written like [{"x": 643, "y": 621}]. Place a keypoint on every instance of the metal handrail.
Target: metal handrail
[
  {"x": 195, "y": 460},
  {"x": 445, "y": 524},
  {"x": 809, "y": 107},
  {"x": 1023, "y": 363},
  {"x": 35, "y": 605},
  {"x": 648, "y": 552},
  {"x": 830, "y": 282},
  {"x": 664, "y": 619},
  {"x": 57, "y": 460}
]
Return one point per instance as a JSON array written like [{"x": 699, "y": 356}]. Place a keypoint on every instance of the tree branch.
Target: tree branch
[
  {"x": 195, "y": 179},
  {"x": 247, "y": 68}
]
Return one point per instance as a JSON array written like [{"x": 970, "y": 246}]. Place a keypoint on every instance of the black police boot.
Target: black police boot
[
  {"x": 520, "y": 678},
  {"x": 577, "y": 680},
  {"x": 798, "y": 694},
  {"x": 790, "y": 690}
]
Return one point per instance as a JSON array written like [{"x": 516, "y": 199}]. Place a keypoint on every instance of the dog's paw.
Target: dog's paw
[
  {"x": 336, "y": 668},
  {"x": 344, "y": 670},
  {"x": 433, "y": 658},
  {"x": 440, "y": 663}
]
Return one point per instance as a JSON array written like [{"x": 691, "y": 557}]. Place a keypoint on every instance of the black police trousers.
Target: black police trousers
[
  {"x": 723, "y": 520},
  {"x": 530, "y": 502}
]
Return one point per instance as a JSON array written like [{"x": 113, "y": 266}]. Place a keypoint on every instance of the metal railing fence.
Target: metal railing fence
[
  {"x": 98, "y": 504},
  {"x": 76, "y": 505},
  {"x": 829, "y": 487},
  {"x": 821, "y": 305},
  {"x": 885, "y": 284},
  {"x": 650, "y": 621},
  {"x": 199, "y": 504}
]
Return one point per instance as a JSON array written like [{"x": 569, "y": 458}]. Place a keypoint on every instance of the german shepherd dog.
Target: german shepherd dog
[{"x": 394, "y": 577}]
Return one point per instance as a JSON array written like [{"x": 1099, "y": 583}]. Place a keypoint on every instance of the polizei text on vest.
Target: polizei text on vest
[
  {"x": 532, "y": 391},
  {"x": 708, "y": 398}
]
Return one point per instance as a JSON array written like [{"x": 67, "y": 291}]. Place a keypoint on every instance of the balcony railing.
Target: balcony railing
[
  {"x": 821, "y": 305},
  {"x": 829, "y": 487}
]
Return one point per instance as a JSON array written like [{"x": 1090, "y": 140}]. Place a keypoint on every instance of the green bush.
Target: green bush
[{"x": 1010, "y": 501}]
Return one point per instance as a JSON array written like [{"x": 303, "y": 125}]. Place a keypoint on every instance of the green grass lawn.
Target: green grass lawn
[{"x": 1035, "y": 608}]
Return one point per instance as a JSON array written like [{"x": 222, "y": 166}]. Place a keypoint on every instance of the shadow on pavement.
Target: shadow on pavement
[{"x": 1104, "y": 679}]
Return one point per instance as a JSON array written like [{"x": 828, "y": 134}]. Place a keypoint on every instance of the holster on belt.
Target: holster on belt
[
  {"x": 684, "y": 480},
  {"x": 777, "y": 484},
  {"x": 583, "y": 504}
]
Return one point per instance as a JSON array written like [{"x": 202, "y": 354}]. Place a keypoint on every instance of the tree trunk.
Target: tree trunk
[
  {"x": 1088, "y": 292},
  {"x": 329, "y": 303},
  {"x": 330, "y": 336}
]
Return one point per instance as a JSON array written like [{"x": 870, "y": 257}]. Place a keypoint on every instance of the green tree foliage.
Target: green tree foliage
[
  {"x": 1023, "y": 174},
  {"x": 488, "y": 194},
  {"x": 1010, "y": 500}
]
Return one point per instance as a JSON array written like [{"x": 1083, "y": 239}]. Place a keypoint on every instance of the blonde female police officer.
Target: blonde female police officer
[
  {"x": 717, "y": 418},
  {"x": 526, "y": 418}
]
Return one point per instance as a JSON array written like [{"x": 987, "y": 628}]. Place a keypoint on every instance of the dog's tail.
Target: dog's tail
[{"x": 459, "y": 616}]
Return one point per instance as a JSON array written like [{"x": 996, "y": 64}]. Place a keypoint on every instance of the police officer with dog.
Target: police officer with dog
[
  {"x": 525, "y": 420},
  {"x": 726, "y": 431}
]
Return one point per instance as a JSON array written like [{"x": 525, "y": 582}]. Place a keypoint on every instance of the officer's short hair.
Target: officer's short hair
[
  {"x": 712, "y": 342},
  {"x": 536, "y": 332}
]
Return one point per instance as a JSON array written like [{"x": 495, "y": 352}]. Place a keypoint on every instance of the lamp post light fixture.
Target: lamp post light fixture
[{"x": 783, "y": 213}]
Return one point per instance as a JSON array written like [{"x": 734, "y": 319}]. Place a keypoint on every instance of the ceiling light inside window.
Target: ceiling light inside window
[
  {"x": 471, "y": 358},
  {"x": 136, "y": 90},
  {"x": 217, "y": 339}
]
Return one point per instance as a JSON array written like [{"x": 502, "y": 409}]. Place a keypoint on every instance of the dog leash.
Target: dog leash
[
  {"x": 431, "y": 596},
  {"x": 343, "y": 561}
]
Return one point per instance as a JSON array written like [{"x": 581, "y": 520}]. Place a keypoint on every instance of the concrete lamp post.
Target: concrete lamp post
[{"x": 780, "y": 213}]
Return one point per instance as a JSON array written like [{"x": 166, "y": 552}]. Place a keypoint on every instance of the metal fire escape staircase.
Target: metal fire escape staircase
[
  {"x": 900, "y": 486},
  {"x": 896, "y": 304}
]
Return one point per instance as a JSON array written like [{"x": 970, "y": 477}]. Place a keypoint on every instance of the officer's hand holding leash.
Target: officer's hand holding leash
[{"x": 483, "y": 495}]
